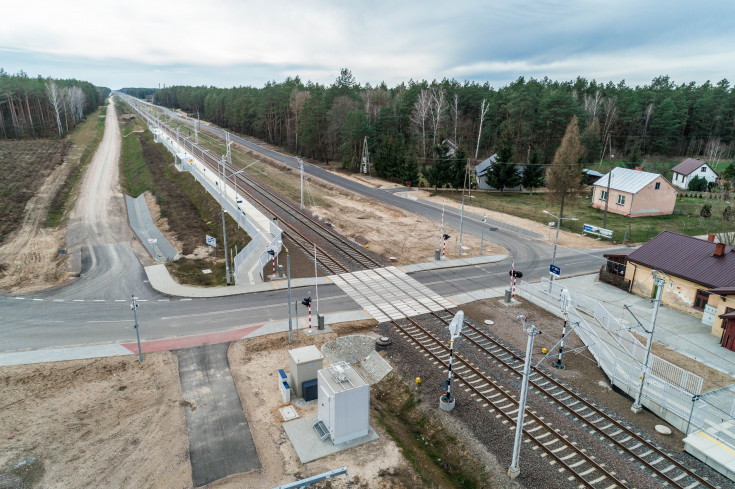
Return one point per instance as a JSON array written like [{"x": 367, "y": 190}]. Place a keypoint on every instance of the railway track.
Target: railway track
[
  {"x": 580, "y": 466},
  {"x": 598, "y": 422},
  {"x": 334, "y": 253}
]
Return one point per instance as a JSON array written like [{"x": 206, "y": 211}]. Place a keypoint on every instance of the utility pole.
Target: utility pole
[
  {"x": 461, "y": 215},
  {"x": 447, "y": 401},
  {"x": 659, "y": 282},
  {"x": 316, "y": 282},
  {"x": 607, "y": 195},
  {"x": 301, "y": 169},
  {"x": 288, "y": 273},
  {"x": 224, "y": 228},
  {"x": 196, "y": 128},
  {"x": 482, "y": 233},
  {"x": 565, "y": 303},
  {"x": 531, "y": 331},
  {"x": 134, "y": 307}
]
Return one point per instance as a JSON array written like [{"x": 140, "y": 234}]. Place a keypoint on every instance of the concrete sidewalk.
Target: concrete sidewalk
[
  {"x": 677, "y": 330},
  {"x": 161, "y": 280}
]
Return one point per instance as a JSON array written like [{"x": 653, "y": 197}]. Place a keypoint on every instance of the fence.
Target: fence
[
  {"x": 668, "y": 390},
  {"x": 269, "y": 237},
  {"x": 664, "y": 369}
]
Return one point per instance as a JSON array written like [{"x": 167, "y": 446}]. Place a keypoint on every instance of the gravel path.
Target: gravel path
[{"x": 497, "y": 436}]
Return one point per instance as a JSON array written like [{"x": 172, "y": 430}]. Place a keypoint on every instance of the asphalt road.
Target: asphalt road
[{"x": 95, "y": 308}]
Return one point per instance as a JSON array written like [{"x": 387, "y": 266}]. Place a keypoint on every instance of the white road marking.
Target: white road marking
[
  {"x": 78, "y": 300},
  {"x": 20, "y": 298},
  {"x": 99, "y": 300},
  {"x": 184, "y": 299},
  {"x": 38, "y": 300},
  {"x": 111, "y": 321}
]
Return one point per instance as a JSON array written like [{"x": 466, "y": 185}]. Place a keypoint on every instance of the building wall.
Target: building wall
[
  {"x": 613, "y": 206},
  {"x": 721, "y": 304},
  {"x": 683, "y": 180},
  {"x": 680, "y": 297},
  {"x": 651, "y": 202}
]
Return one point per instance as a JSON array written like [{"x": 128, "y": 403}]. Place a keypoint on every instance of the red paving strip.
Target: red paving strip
[{"x": 190, "y": 341}]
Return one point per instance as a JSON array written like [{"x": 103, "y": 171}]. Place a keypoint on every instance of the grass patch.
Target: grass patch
[
  {"x": 685, "y": 219},
  {"x": 86, "y": 138},
  {"x": 438, "y": 457},
  {"x": 190, "y": 211},
  {"x": 136, "y": 177}
]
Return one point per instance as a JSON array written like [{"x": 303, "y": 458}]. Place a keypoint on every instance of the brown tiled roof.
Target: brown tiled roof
[
  {"x": 687, "y": 166},
  {"x": 688, "y": 258},
  {"x": 729, "y": 315}
]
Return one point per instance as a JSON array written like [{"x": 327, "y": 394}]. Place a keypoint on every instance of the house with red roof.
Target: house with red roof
[
  {"x": 690, "y": 168},
  {"x": 699, "y": 274}
]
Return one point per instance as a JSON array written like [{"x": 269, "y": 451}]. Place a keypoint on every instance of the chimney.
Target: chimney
[
  {"x": 711, "y": 237},
  {"x": 719, "y": 249}
]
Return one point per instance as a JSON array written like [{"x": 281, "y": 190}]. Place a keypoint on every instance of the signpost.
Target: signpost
[
  {"x": 597, "y": 231},
  {"x": 555, "y": 271},
  {"x": 212, "y": 242},
  {"x": 62, "y": 251}
]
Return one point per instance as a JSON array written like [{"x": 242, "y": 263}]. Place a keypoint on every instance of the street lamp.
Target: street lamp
[{"x": 556, "y": 242}]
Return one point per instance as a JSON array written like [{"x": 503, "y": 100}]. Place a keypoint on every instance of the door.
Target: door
[{"x": 728, "y": 333}]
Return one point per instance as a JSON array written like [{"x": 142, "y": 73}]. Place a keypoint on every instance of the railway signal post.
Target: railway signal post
[{"x": 531, "y": 330}]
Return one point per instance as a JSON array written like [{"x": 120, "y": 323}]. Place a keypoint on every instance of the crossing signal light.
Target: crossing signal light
[
  {"x": 271, "y": 252},
  {"x": 446, "y": 236},
  {"x": 306, "y": 301},
  {"x": 515, "y": 273}
]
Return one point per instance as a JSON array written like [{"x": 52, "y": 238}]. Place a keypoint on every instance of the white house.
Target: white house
[{"x": 690, "y": 168}]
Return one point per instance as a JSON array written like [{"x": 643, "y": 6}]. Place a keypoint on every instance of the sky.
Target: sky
[{"x": 229, "y": 43}]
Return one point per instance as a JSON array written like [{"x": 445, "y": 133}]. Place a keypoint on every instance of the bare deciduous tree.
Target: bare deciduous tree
[
  {"x": 455, "y": 116},
  {"x": 611, "y": 116},
  {"x": 418, "y": 117},
  {"x": 296, "y": 104},
  {"x": 592, "y": 105},
  {"x": 54, "y": 98},
  {"x": 438, "y": 97},
  {"x": 483, "y": 110},
  {"x": 714, "y": 151}
]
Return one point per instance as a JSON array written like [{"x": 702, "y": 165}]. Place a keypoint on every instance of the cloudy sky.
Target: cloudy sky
[{"x": 230, "y": 42}]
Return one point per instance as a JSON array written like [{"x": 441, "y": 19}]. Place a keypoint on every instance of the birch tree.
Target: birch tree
[
  {"x": 420, "y": 113},
  {"x": 54, "y": 98},
  {"x": 483, "y": 110},
  {"x": 438, "y": 99}
]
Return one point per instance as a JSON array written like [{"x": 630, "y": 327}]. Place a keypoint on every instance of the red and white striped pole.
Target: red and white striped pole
[
  {"x": 512, "y": 280},
  {"x": 274, "y": 265},
  {"x": 309, "y": 318}
]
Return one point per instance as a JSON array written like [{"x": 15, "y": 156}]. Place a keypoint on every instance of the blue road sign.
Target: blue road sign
[{"x": 554, "y": 270}]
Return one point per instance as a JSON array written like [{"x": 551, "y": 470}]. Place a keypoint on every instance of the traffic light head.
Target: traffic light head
[
  {"x": 306, "y": 301},
  {"x": 271, "y": 253},
  {"x": 446, "y": 236},
  {"x": 515, "y": 273}
]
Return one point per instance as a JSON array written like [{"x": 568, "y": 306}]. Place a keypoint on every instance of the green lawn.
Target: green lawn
[{"x": 686, "y": 219}]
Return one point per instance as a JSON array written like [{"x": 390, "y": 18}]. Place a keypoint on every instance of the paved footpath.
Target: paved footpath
[{"x": 220, "y": 442}]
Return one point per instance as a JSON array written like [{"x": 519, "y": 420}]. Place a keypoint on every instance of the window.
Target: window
[
  {"x": 701, "y": 300},
  {"x": 658, "y": 186},
  {"x": 704, "y": 168},
  {"x": 603, "y": 194},
  {"x": 621, "y": 199}
]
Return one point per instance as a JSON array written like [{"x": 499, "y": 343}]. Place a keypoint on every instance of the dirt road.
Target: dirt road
[{"x": 98, "y": 237}]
